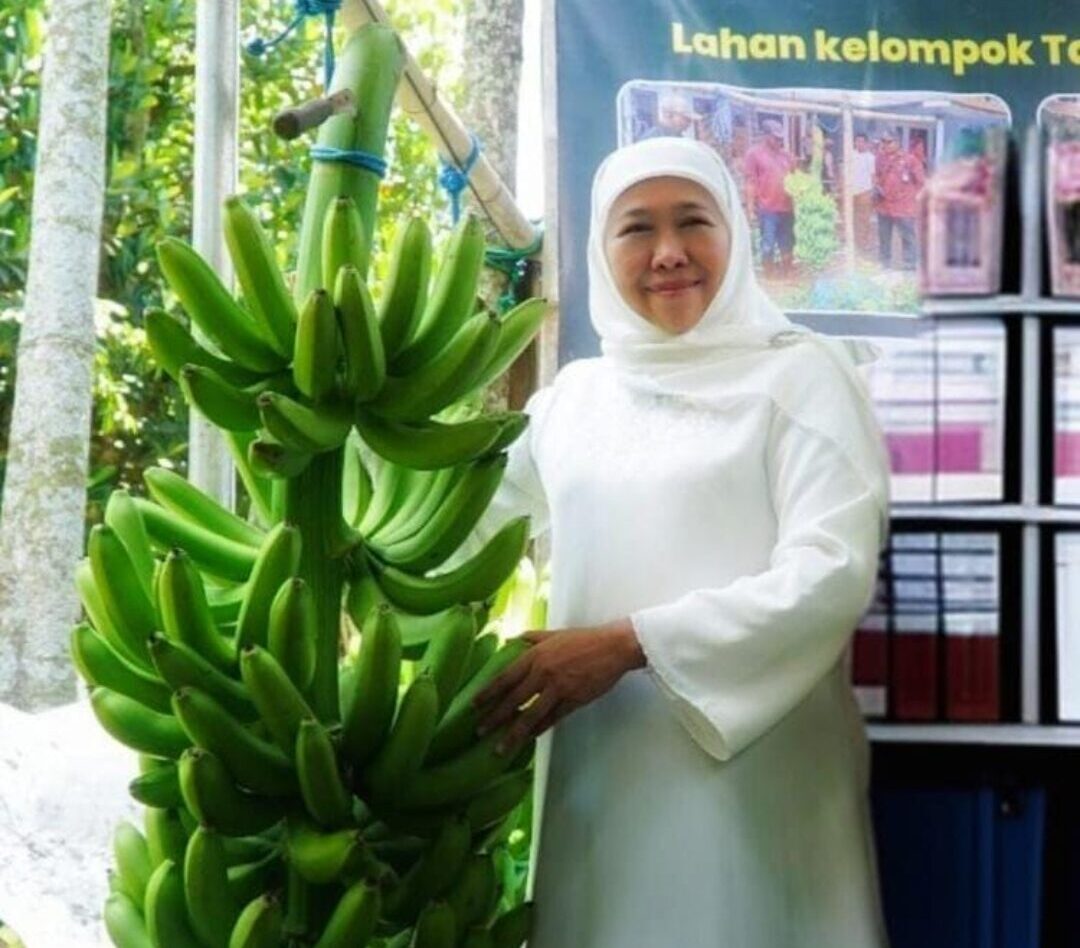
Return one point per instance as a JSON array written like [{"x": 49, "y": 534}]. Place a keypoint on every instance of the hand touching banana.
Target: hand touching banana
[{"x": 564, "y": 670}]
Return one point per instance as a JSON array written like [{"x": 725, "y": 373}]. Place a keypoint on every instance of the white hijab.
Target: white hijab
[{"x": 728, "y": 352}]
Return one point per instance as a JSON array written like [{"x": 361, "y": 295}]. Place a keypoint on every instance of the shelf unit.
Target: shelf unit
[{"x": 1032, "y": 309}]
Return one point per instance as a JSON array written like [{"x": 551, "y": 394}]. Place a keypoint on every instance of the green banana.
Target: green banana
[
  {"x": 452, "y": 297},
  {"x": 124, "y": 922},
  {"x": 458, "y": 726},
  {"x": 354, "y": 918},
  {"x": 457, "y": 779},
  {"x": 434, "y": 872},
  {"x": 185, "y": 612},
  {"x": 240, "y": 850},
  {"x": 260, "y": 924},
  {"x": 128, "y": 605},
  {"x": 278, "y": 559},
  {"x": 498, "y": 799},
  {"x": 166, "y": 837},
  {"x": 183, "y": 498},
  {"x": 100, "y": 665},
  {"x": 173, "y": 347},
  {"x": 475, "y": 579},
  {"x": 436, "y": 927},
  {"x": 123, "y": 516},
  {"x": 511, "y": 930},
  {"x": 213, "y": 309},
  {"x": 265, "y": 501},
  {"x": 434, "y": 542},
  {"x": 321, "y": 786},
  {"x": 94, "y": 606},
  {"x": 258, "y": 274},
  {"x": 166, "y": 913},
  {"x": 159, "y": 788},
  {"x": 182, "y": 667},
  {"x": 413, "y": 491},
  {"x": 447, "y": 377},
  {"x": 484, "y": 647},
  {"x": 477, "y": 937},
  {"x": 365, "y": 360},
  {"x": 292, "y": 629},
  {"x": 323, "y": 857},
  {"x": 400, "y": 757},
  {"x": 280, "y": 705},
  {"x": 136, "y": 726},
  {"x": 432, "y": 444},
  {"x": 357, "y": 488},
  {"x": 317, "y": 352},
  {"x": 390, "y": 492},
  {"x": 413, "y": 515},
  {"x": 343, "y": 240},
  {"x": 447, "y": 654},
  {"x": 271, "y": 459},
  {"x": 211, "y": 908},
  {"x": 513, "y": 426},
  {"x": 211, "y": 793},
  {"x": 369, "y": 710},
  {"x": 475, "y": 891},
  {"x": 212, "y": 552},
  {"x": 259, "y": 765},
  {"x": 302, "y": 428},
  {"x": 133, "y": 865},
  {"x": 222, "y": 404},
  {"x": 516, "y": 330},
  {"x": 250, "y": 880},
  {"x": 405, "y": 290}
]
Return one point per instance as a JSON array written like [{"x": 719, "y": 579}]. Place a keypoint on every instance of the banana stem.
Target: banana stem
[{"x": 313, "y": 504}]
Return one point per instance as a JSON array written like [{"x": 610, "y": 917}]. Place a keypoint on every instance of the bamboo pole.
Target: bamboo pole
[{"x": 420, "y": 100}]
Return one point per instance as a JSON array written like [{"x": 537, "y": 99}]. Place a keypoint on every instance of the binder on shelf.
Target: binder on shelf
[
  {"x": 914, "y": 660},
  {"x": 940, "y": 398},
  {"x": 870, "y": 664},
  {"x": 1067, "y": 590},
  {"x": 1066, "y": 415}
]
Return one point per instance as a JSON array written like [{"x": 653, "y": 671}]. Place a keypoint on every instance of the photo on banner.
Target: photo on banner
[{"x": 858, "y": 200}]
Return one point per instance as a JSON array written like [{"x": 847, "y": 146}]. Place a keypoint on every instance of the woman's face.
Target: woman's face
[{"x": 668, "y": 246}]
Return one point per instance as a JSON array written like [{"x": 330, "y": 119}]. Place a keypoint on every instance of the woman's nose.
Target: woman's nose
[{"x": 670, "y": 251}]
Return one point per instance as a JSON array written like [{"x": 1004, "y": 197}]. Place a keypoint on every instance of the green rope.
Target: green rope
[{"x": 514, "y": 263}]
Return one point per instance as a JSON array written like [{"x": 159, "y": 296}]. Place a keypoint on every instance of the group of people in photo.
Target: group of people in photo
[{"x": 885, "y": 175}]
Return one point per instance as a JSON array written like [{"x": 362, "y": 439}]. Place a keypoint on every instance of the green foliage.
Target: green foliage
[
  {"x": 815, "y": 219},
  {"x": 139, "y": 416}
]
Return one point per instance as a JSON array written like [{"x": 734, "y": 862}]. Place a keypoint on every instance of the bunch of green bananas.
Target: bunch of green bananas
[{"x": 298, "y": 790}]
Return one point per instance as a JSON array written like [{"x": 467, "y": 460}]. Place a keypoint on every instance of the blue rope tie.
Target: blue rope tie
[
  {"x": 304, "y": 9},
  {"x": 455, "y": 180},
  {"x": 361, "y": 159},
  {"x": 514, "y": 263}
]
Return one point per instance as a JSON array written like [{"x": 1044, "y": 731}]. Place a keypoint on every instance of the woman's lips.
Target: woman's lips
[{"x": 673, "y": 289}]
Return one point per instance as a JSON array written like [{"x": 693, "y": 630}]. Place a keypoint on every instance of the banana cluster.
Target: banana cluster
[{"x": 267, "y": 821}]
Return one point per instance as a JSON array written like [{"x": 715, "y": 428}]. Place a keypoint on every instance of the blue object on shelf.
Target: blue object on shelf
[{"x": 961, "y": 868}]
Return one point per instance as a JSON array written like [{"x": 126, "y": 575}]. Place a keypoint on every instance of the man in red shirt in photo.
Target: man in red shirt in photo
[
  {"x": 765, "y": 166},
  {"x": 898, "y": 178}
]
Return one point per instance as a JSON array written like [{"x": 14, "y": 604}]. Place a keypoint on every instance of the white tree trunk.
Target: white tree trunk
[
  {"x": 492, "y": 72},
  {"x": 41, "y": 524}
]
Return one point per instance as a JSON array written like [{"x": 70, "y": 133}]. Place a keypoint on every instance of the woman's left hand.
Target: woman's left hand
[{"x": 565, "y": 669}]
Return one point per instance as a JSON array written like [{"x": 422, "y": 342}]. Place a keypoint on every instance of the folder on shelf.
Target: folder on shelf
[
  {"x": 1066, "y": 415},
  {"x": 1067, "y": 588},
  {"x": 870, "y": 664},
  {"x": 940, "y": 398}
]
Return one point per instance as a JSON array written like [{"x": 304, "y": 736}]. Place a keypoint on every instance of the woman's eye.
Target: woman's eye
[
  {"x": 634, "y": 229},
  {"x": 696, "y": 222}
]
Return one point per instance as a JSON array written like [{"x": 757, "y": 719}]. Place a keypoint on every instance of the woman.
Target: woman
[{"x": 716, "y": 490}]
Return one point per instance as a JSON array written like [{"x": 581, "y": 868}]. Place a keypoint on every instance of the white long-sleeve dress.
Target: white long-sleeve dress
[{"x": 718, "y": 797}]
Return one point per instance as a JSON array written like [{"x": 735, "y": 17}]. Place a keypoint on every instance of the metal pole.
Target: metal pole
[{"x": 217, "y": 94}]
